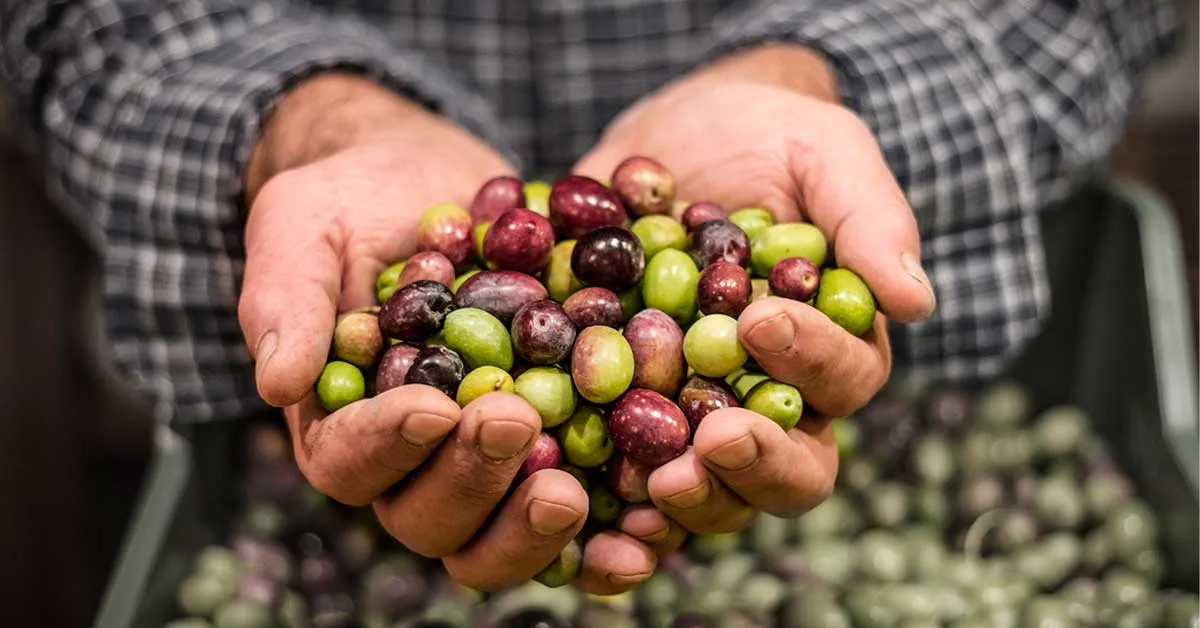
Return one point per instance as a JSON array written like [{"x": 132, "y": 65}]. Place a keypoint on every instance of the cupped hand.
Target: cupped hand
[
  {"x": 336, "y": 186},
  {"x": 763, "y": 128}
]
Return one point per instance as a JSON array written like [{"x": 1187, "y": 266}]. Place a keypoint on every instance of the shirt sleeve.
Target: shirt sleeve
[
  {"x": 986, "y": 112},
  {"x": 145, "y": 112}
]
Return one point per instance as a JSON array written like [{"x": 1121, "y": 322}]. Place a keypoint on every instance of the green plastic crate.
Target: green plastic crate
[{"x": 1119, "y": 344}]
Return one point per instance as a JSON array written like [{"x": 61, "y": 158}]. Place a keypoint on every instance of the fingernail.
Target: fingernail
[
  {"x": 656, "y": 536},
  {"x": 912, "y": 266},
  {"x": 735, "y": 455},
  {"x": 549, "y": 518},
  {"x": 690, "y": 498},
  {"x": 501, "y": 440},
  {"x": 774, "y": 335},
  {"x": 625, "y": 580},
  {"x": 423, "y": 428}
]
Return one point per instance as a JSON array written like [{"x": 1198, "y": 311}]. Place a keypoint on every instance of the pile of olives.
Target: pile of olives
[{"x": 610, "y": 308}]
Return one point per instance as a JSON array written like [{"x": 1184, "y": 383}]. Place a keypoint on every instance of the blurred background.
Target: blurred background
[{"x": 74, "y": 443}]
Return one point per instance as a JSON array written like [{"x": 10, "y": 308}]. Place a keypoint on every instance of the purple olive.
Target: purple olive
[
  {"x": 594, "y": 306},
  {"x": 644, "y": 185},
  {"x": 702, "y": 395},
  {"x": 580, "y": 204},
  {"x": 648, "y": 428},
  {"x": 499, "y": 293},
  {"x": 795, "y": 278},
  {"x": 318, "y": 573},
  {"x": 257, "y": 587},
  {"x": 495, "y": 197},
  {"x": 720, "y": 241},
  {"x": 542, "y": 333},
  {"x": 628, "y": 480},
  {"x": 545, "y": 455},
  {"x": 609, "y": 257},
  {"x": 430, "y": 265},
  {"x": 519, "y": 240},
  {"x": 657, "y": 343},
  {"x": 699, "y": 213},
  {"x": 439, "y": 367},
  {"x": 393, "y": 367},
  {"x": 416, "y": 311},
  {"x": 723, "y": 288},
  {"x": 446, "y": 228}
]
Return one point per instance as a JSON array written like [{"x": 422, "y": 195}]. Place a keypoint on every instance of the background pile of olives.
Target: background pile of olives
[
  {"x": 611, "y": 309},
  {"x": 951, "y": 510}
]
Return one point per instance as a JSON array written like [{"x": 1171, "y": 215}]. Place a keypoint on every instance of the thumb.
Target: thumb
[{"x": 847, "y": 190}]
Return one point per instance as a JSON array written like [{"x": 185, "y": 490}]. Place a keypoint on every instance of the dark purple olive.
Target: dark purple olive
[
  {"x": 546, "y": 454},
  {"x": 795, "y": 278},
  {"x": 648, "y": 428},
  {"x": 594, "y": 306},
  {"x": 446, "y": 228},
  {"x": 519, "y": 240},
  {"x": 499, "y": 293},
  {"x": 657, "y": 343},
  {"x": 723, "y": 288},
  {"x": 720, "y": 241},
  {"x": 439, "y": 367},
  {"x": 628, "y": 480},
  {"x": 318, "y": 573},
  {"x": 393, "y": 366},
  {"x": 542, "y": 333},
  {"x": 888, "y": 427},
  {"x": 609, "y": 257},
  {"x": 416, "y": 311},
  {"x": 699, "y": 213},
  {"x": 644, "y": 185},
  {"x": 701, "y": 395},
  {"x": 580, "y": 204},
  {"x": 430, "y": 265},
  {"x": 495, "y": 197}
]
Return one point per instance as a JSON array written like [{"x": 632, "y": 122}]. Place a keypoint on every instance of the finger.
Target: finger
[
  {"x": 290, "y": 290},
  {"x": 614, "y": 562},
  {"x": 437, "y": 510},
  {"x": 535, "y": 524},
  {"x": 687, "y": 492},
  {"x": 783, "y": 473},
  {"x": 650, "y": 526},
  {"x": 848, "y": 191},
  {"x": 835, "y": 371},
  {"x": 358, "y": 452}
]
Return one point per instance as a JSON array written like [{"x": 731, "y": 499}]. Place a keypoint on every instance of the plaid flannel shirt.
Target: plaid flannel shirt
[{"x": 146, "y": 111}]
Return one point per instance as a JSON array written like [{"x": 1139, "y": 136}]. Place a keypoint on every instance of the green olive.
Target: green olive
[
  {"x": 385, "y": 284},
  {"x": 603, "y": 506},
  {"x": 537, "y": 197},
  {"x": 585, "y": 440},
  {"x": 712, "y": 347},
  {"x": 670, "y": 285},
  {"x": 631, "y": 302},
  {"x": 779, "y": 242},
  {"x": 752, "y": 220},
  {"x": 845, "y": 298},
  {"x": 461, "y": 279},
  {"x": 658, "y": 233},
  {"x": 559, "y": 279},
  {"x": 481, "y": 381},
  {"x": 480, "y": 338},
  {"x": 777, "y": 401},
  {"x": 481, "y": 230},
  {"x": 550, "y": 391},
  {"x": 341, "y": 384}
]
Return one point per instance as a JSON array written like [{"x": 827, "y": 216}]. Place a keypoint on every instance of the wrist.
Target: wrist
[{"x": 790, "y": 66}]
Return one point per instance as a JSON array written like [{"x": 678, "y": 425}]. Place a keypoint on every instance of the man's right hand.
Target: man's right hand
[{"x": 336, "y": 186}]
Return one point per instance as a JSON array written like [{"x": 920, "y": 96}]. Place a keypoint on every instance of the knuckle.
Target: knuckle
[{"x": 426, "y": 541}]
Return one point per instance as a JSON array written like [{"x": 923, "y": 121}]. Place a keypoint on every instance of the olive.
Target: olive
[
  {"x": 1124, "y": 588},
  {"x": 702, "y": 395},
  {"x": 545, "y": 454},
  {"x": 812, "y": 611},
  {"x": 480, "y": 234},
  {"x": 385, "y": 283},
  {"x": 579, "y": 204},
  {"x": 340, "y": 385},
  {"x": 1104, "y": 492},
  {"x": 497, "y": 196},
  {"x": 657, "y": 345},
  {"x": 777, "y": 401},
  {"x": 723, "y": 288},
  {"x": 836, "y": 516},
  {"x": 594, "y": 306},
  {"x": 931, "y": 505},
  {"x": 602, "y": 364},
  {"x": 542, "y": 333},
  {"x": 439, "y": 367},
  {"x": 217, "y": 561},
  {"x": 869, "y": 609},
  {"x": 357, "y": 339},
  {"x": 532, "y": 618},
  {"x": 779, "y": 242},
  {"x": 519, "y": 240},
  {"x": 845, "y": 298},
  {"x": 648, "y": 428},
  {"x": 393, "y": 366},
  {"x": 631, "y": 302},
  {"x": 759, "y": 288},
  {"x": 769, "y": 534},
  {"x": 1181, "y": 609},
  {"x": 1146, "y": 615},
  {"x": 712, "y": 347},
  {"x": 462, "y": 278},
  {"x": 548, "y": 389},
  {"x": 585, "y": 440},
  {"x": 933, "y": 460},
  {"x": 758, "y": 595},
  {"x": 946, "y": 408},
  {"x": 481, "y": 381},
  {"x": 1004, "y": 404},
  {"x": 576, "y": 473},
  {"x": 697, "y": 214},
  {"x": 202, "y": 594},
  {"x": 752, "y": 220},
  {"x": 603, "y": 506},
  {"x": 609, "y": 257},
  {"x": 1015, "y": 529},
  {"x": 1131, "y": 529},
  {"x": 1046, "y": 612},
  {"x": 499, "y": 292},
  {"x": 559, "y": 280},
  {"x": 926, "y": 553},
  {"x": 720, "y": 241},
  {"x": 1059, "y": 431},
  {"x": 887, "y": 504},
  {"x": 979, "y": 494},
  {"x": 880, "y": 556},
  {"x": 537, "y": 197},
  {"x": 244, "y": 614},
  {"x": 479, "y": 338},
  {"x": 657, "y": 233},
  {"x": 1147, "y": 563},
  {"x": 1058, "y": 502},
  {"x": 446, "y": 229},
  {"x": 416, "y": 311},
  {"x": 628, "y": 480},
  {"x": 795, "y": 278},
  {"x": 670, "y": 285},
  {"x": 709, "y": 546},
  {"x": 644, "y": 185}
]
